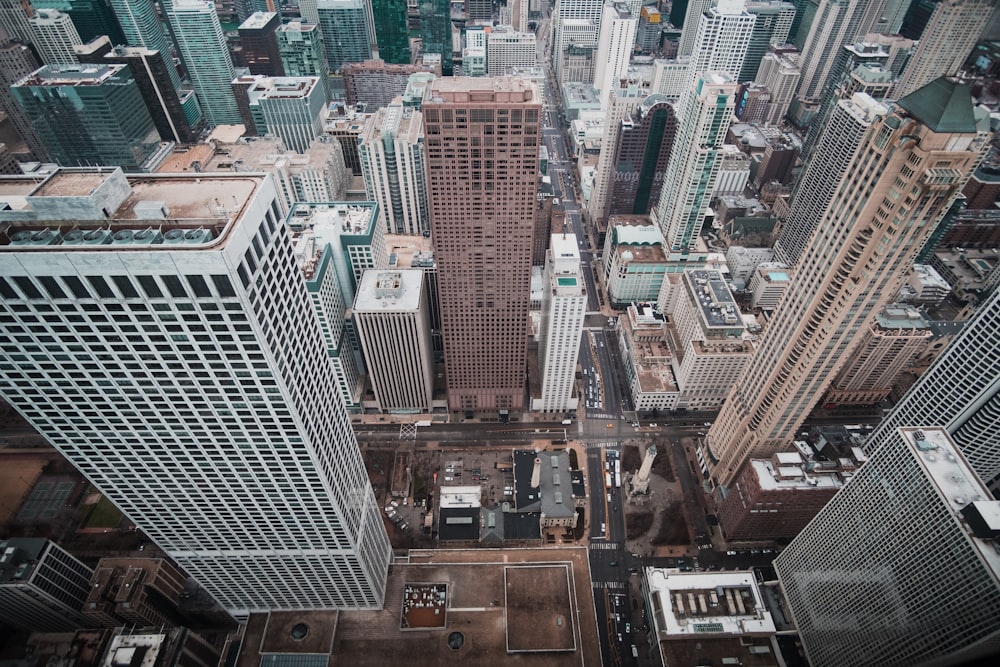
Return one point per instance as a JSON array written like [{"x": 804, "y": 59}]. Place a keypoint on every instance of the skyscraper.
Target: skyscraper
[
  {"x": 435, "y": 32},
  {"x": 844, "y": 134},
  {"x": 92, "y": 18},
  {"x": 16, "y": 62},
  {"x": 900, "y": 567},
  {"x": 564, "y": 304},
  {"x": 53, "y": 35},
  {"x": 774, "y": 22},
  {"x": 393, "y": 320},
  {"x": 705, "y": 112},
  {"x": 573, "y": 22},
  {"x": 910, "y": 165},
  {"x": 259, "y": 42},
  {"x": 142, "y": 27},
  {"x": 508, "y": 48},
  {"x": 391, "y": 149},
  {"x": 301, "y": 48},
  {"x": 482, "y": 172},
  {"x": 187, "y": 378},
  {"x": 391, "y": 31},
  {"x": 14, "y": 15},
  {"x": 344, "y": 25},
  {"x": 42, "y": 586},
  {"x": 961, "y": 392},
  {"x": 614, "y": 48},
  {"x": 291, "y": 108},
  {"x": 722, "y": 40},
  {"x": 946, "y": 42},
  {"x": 203, "y": 49},
  {"x": 621, "y": 103},
  {"x": 89, "y": 115},
  {"x": 692, "y": 18}
]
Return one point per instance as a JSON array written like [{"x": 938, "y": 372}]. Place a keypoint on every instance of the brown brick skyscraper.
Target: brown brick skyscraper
[{"x": 482, "y": 137}]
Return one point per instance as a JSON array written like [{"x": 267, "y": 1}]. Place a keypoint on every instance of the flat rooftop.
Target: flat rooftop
[
  {"x": 707, "y": 603},
  {"x": 70, "y": 75},
  {"x": 715, "y": 302},
  {"x": 548, "y": 606},
  {"x": 395, "y": 290},
  {"x": 257, "y": 20}
]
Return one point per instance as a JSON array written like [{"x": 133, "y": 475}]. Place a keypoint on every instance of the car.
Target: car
[
  {"x": 613, "y": 563},
  {"x": 611, "y": 425},
  {"x": 604, "y": 528},
  {"x": 628, "y": 628},
  {"x": 614, "y": 508},
  {"x": 609, "y": 497},
  {"x": 730, "y": 553},
  {"x": 633, "y": 570}
]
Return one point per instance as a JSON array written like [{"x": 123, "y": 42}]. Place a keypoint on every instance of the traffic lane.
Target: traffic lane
[{"x": 595, "y": 471}]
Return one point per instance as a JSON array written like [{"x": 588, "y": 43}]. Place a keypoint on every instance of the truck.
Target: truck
[
  {"x": 424, "y": 422},
  {"x": 567, "y": 422}
]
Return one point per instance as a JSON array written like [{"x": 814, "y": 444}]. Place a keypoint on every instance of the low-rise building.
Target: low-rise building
[
  {"x": 925, "y": 286},
  {"x": 542, "y": 483},
  {"x": 135, "y": 591},
  {"x": 634, "y": 260},
  {"x": 646, "y": 358},
  {"x": 768, "y": 284},
  {"x": 42, "y": 586}
]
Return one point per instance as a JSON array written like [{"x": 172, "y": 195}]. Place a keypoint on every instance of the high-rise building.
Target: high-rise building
[
  {"x": 141, "y": 26},
  {"x": 705, "y": 113},
  {"x": 309, "y": 12},
  {"x": 900, "y": 567},
  {"x": 192, "y": 384},
  {"x": 202, "y": 46},
  {"x": 911, "y": 164},
  {"x": 14, "y": 15},
  {"x": 393, "y": 322},
  {"x": 259, "y": 41},
  {"x": 42, "y": 586},
  {"x": 722, "y": 40},
  {"x": 479, "y": 10},
  {"x": 89, "y": 115},
  {"x": 16, "y": 62},
  {"x": 344, "y": 25},
  {"x": 574, "y": 23},
  {"x": 564, "y": 305},
  {"x": 435, "y": 32},
  {"x": 961, "y": 392},
  {"x": 391, "y": 149},
  {"x": 53, "y": 35},
  {"x": 291, "y": 108},
  {"x": 135, "y": 591},
  {"x": 391, "y": 31},
  {"x": 507, "y": 48},
  {"x": 780, "y": 73},
  {"x": 894, "y": 339},
  {"x": 479, "y": 199},
  {"x": 844, "y": 134},
  {"x": 614, "y": 48},
  {"x": 302, "y": 54},
  {"x": 640, "y": 157},
  {"x": 692, "y": 19},
  {"x": 152, "y": 76},
  {"x": 474, "y": 53},
  {"x": 92, "y": 18},
  {"x": 774, "y": 22},
  {"x": 834, "y": 24},
  {"x": 621, "y": 104},
  {"x": 946, "y": 42}
]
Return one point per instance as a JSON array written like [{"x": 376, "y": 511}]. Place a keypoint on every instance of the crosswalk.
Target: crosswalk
[
  {"x": 605, "y": 545},
  {"x": 602, "y": 445},
  {"x": 596, "y": 585}
]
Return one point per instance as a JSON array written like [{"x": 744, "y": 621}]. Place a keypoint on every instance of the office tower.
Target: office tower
[
  {"x": 391, "y": 31},
  {"x": 711, "y": 344},
  {"x": 391, "y": 148},
  {"x": 42, "y": 586},
  {"x": 519, "y": 14},
  {"x": 614, "y": 48},
  {"x": 14, "y": 15},
  {"x": 259, "y": 40},
  {"x": 574, "y": 23},
  {"x": 152, "y": 76},
  {"x": 193, "y": 386},
  {"x": 946, "y": 42},
  {"x": 479, "y": 10},
  {"x": 910, "y": 165},
  {"x": 893, "y": 340},
  {"x": 346, "y": 130},
  {"x": 621, "y": 104},
  {"x": 53, "y": 35},
  {"x": 640, "y": 157},
  {"x": 17, "y": 62},
  {"x": 835, "y": 23},
  {"x": 393, "y": 322},
  {"x": 141, "y": 26},
  {"x": 92, "y": 18},
  {"x": 900, "y": 568},
  {"x": 508, "y": 48},
  {"x": 474, "y": 53},
  {"x": 779, "y": 72},
  {"x": 135, "y": 591},
  {"x": 89, "y": 115},
  {"x": 343, "y": 24},
  {"x": 203, "y": 49},
  {"x": 846, "y": 131},
  {"x": 692, "y": 20},
  {"x": 961, "y": 392},
  {"x": 479, "y": 202},
  {"x": 774, "y": 22},
  {"x": 301, "y": 49},
  {"x": 564, "y": 305},
  {"x": 309, "y": 12},
  {"x": 335, "y": 243},
  {"x": 376, "y": 83},
  {"x": 435, "y": 32},
  {"x": 722, "y": 40},
  {"x": 291, "y": 108},
  {"x": 705, "y": 113}
]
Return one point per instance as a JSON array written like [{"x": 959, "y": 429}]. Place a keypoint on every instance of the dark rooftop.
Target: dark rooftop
[{"x": 942, "y": 105}]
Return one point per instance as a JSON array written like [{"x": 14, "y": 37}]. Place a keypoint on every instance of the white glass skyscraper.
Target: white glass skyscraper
[
  {"x": 142, "y": 27},
  {"x": 614, "y": 48},
  {"x": 158, "y": 331},
  {"x": 900, "y": 568},
  {"x": 722, "y": 39}
]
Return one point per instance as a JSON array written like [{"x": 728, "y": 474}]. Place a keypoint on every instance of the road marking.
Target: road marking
[
  {"x": 607, "y": 584},
  {"x": 603, "y": 545}
]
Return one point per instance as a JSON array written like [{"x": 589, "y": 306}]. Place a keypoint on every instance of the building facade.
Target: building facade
[
  {"x": 192, "y": 384},
  {"x": 852, "y": 266},
  {"x": 42, "y": 586},
  {"x": 291, "y": 108},
  {"x": 615, "y": 42},
  {"x": 772, "y": 26},
  {"x": 479, "y": 199},
  {"x": 141, "y": 26},
  {"x": 507, "y": 48},
  {"x": 53, "y": 35},
  {"x": 391, "y": 30},
  {"x": 344, "y": 25},
  {"x": 259, "y": 44}
]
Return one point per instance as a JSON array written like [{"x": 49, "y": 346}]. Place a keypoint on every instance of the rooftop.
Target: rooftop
[
  {"x": 398, "y": 290},
  {"x": 70, "y": 75},
  {"x": 707, "y": 604},
  {"x": 18, "y": 556},
  {"x": 942, "y": 105},
  {"x": 257, "y": 20},
  {"x": 714, "y": 300}
]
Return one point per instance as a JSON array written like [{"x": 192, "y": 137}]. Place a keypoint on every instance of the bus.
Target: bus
[
  {"x": 607, "y": 480},
  {"x": 618, "y": 472}
]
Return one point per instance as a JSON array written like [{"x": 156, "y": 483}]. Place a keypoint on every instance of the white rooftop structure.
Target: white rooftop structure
[
  {"x": 460, "y": 496},
  {"x": 706, "y": 604}
]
